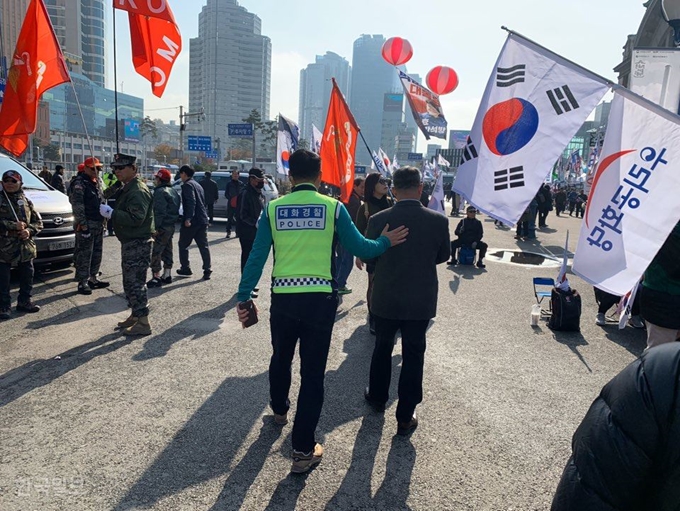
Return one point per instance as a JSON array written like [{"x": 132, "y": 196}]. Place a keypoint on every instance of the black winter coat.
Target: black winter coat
[{"x": 626, "y": 452}]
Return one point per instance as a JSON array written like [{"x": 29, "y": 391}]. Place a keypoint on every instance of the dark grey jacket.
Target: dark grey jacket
[
  {"x": 405, "y": 284},
  {"x": 193, "y": 202}
]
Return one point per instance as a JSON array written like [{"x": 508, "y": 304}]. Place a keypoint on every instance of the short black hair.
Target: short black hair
[
  {"x": 304, "y": 165},
  {"x": 186, "y": 169},
  {"x": 208, "y": 174},
  {"x": 58, "y": 167},
  {"x": 406, "y": 178},
  {"x": 359, "y": 180}
]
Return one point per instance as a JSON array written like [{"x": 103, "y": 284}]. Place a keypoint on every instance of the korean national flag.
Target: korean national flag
[
  {"x": 287, "y": 137},
  {"x": 534, "y": 103}
]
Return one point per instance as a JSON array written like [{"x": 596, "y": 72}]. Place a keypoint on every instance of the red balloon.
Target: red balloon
[
  {"x": 397, "y": 51},
  {"x": 442, "y": 80}
]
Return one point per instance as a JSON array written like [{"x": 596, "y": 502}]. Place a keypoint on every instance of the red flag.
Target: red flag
[
  {"x": 37, "y": 66},
  {"x": 146, "y": 8},
  {"x": 339, "y": 145},
  {"x": 156, "y": 44}
]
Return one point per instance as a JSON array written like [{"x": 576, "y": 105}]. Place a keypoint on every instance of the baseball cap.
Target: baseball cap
[
  {"x": 255, "y": 172},
  {"x": 471, "y": 208},
  {"x": 81, "y": 167},
  {"x": 163, "y": 175},
  {"x": 92, "y": 162},
  {"x": 13, "y": 174}
]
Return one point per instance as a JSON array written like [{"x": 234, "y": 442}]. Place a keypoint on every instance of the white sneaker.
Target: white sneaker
[{"x": 600, "y": 319}]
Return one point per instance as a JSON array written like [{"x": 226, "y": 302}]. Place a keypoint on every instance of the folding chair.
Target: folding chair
[{"x": 540, "y": 294}]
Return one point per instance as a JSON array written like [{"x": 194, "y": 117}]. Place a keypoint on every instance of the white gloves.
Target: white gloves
[{"x": 105, "y": 211}]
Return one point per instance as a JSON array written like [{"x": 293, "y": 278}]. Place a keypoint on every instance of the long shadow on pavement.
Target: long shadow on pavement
[
  {"x": 196, "y": 326},
  {"x": 632, "y": 339},
  {"x": 206, "y": 445},
  {"x": 38, "y": 373},
  {"x": 396, "y": 487},
  {"x": 102, "y": 305},
  {"x": 244, "y": 474},
  {"x": 573, "y": 340},
  {"x": 355, "y": 490}
]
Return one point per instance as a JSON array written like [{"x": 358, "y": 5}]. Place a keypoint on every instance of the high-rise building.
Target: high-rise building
[
  {"x": 372, "y": 78},
  {"x": 315, "y": 90},
  {"x": 80, "y": 28},
  {"x": 12, "y": 14},
  {"x": 229, "y": 69},
  {"x": 392, "y": 120}
]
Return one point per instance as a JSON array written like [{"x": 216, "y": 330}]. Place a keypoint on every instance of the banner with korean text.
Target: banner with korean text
[
  {"x": 534, "y": 103},
  {"x": 633, "y": 204},
  {"x": 425, "y": 106}
]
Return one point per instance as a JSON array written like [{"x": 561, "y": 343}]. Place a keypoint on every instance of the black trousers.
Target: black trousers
[
  {"x": 211, "y": 210},
  {"x": 199, "y": 234},
  {"x": 25, "y": 283},
  {"x": 309, "y": 318},
  {"x": 231, "y": 219},
  {"x": 246, "y": 247},
  {"x": 606, "y": 301},
  {"x": 413, "y": 353},
  {"x": 457, "y": 243},
  {"x": 542, "y": 215}
]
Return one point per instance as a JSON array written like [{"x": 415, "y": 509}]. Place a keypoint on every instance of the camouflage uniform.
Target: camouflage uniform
[
  {"x": 133, "y": 224},
  {"x": 14, "y": 251},
  {"x": 166, "y": 203},
  {"x": 86, "y": 196}
]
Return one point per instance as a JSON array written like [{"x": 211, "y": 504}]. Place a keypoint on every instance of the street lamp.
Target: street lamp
[{"x": 670, "y": 10}]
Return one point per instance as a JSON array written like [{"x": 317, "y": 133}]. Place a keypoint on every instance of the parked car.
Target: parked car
[
  {"x": 270, "y": 191},
  {"x": 57, "y": 241}
]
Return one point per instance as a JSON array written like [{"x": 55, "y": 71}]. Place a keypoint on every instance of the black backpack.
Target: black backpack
[{"x": 566, "y": 310}]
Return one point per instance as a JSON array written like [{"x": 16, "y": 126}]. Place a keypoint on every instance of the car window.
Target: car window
[
  {"x": 30, "y": 180},
  {"x": 221, "y": 182}
]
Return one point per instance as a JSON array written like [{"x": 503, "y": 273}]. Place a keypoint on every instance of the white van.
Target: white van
[{"x": 57, "y": 241}]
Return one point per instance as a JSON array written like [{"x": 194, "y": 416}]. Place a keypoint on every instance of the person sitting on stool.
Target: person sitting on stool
[{"x": 470, "y": 233}]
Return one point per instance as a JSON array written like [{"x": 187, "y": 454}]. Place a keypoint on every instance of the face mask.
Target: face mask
[{"x": 260, "y": 186}]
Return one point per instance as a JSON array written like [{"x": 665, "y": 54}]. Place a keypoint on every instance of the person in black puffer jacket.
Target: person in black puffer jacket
[{"x": 626, "y": 452}]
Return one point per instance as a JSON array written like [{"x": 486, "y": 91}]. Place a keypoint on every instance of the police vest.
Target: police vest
[{"x": 303, "y": 230}]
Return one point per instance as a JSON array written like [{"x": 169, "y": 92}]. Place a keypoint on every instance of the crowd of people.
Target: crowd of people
[{"x": 383, "y": 227}]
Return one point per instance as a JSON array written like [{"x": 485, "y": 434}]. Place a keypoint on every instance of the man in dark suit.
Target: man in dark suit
[
  {"x": 405, "y": 290},
  {"x": 194, "y": 225}
]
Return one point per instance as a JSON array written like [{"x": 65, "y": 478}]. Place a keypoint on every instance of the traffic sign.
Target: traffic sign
[
  {"x": 241, "y": 130},
  {"x": 415, "y": 157},
  {"x": 213, "y": 155},
  {"x": 360, "y": 169},
  {"x": 200, "y": 144}
]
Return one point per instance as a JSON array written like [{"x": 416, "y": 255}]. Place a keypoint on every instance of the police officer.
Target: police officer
[
  {"x": 302, "y": 226},
  {"x": 133, "y": 224},
  {"x": 166, "y": 203},
  {"x": 19, "y": 223},
  {"x": 86, "y": 196}
]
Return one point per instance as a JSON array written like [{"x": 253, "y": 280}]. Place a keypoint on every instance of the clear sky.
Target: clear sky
[{"x": 463, "y": 35}]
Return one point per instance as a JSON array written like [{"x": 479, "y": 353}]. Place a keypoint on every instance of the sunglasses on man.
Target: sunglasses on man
[{"x": 10, "y": 180}]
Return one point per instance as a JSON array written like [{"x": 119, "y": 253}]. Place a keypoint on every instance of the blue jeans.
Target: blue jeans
[
  {"x": 344, "y": 261},
  {"x": 309, "y": 318}
]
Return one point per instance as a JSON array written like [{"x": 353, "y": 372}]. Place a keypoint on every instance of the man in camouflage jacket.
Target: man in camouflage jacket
[
  {"x": 19, "y": 224},
  {"x": 166, "y": 203}
]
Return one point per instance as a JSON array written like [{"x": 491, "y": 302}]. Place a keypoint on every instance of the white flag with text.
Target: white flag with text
[
  {"x": 535, "y": 101},
  {"x": 633, "y": 204}
]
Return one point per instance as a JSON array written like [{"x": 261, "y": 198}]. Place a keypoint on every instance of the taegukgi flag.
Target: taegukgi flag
[
  {"x": 633, "y": 204},
  {"x": 534, "y": 102},
  {"x": 317, "y": 136},
  {"x": 287, "y": 138}
]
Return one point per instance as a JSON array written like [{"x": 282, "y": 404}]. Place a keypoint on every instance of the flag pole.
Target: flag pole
[{"x": 115, "y": 78}]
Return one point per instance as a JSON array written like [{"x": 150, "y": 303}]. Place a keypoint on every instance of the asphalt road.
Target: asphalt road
[{"x": 91, "y": 420}]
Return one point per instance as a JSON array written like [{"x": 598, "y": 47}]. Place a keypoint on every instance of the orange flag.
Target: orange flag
[
  {"x": 37, "y": 66},
  {"x": 339, "y": 145},
  {"x": 145, "y": 8},
  {"x": 156, "y": 40}
]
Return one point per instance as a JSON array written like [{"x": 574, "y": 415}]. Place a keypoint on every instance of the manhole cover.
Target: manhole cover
[{"x": 524, "y": 258}]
